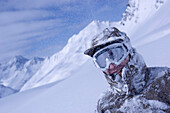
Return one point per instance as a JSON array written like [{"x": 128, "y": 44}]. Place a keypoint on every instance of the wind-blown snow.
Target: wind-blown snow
[{"x": 148, "y": 30}]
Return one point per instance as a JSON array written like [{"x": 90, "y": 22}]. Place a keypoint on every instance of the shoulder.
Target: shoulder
[
  {"x": 157, "y": 72},
  {"x": 159, "y": 86},
  {"x": 109, "y": 101}
]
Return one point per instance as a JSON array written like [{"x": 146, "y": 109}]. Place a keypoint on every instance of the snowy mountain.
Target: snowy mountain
[
  {"x": 149, "y": 30},
  {"x": 60, "y": 65},
  {"x": 17, "y": 72}
]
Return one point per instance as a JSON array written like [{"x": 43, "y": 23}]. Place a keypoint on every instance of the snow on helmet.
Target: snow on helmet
[{"x": 107, "y": 37}]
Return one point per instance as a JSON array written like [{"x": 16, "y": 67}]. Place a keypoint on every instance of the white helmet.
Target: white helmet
[{"x": 110, "y": 41}]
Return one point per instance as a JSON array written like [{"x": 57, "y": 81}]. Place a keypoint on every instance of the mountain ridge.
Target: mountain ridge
[{"x": 16, "y": 72}]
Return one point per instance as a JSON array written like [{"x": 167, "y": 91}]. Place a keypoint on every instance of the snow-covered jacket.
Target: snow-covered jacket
[{"x": 140, "y": 89}]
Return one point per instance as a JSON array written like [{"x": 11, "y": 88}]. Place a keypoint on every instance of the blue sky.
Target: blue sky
[{"x": 42, "y": 27}]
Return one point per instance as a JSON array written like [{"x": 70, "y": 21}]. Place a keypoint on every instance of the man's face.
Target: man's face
[
  {"x": 113, "y": 68},
  {"x": 112, "y": 58}
]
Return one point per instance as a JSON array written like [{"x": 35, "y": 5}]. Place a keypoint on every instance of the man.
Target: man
[{"x": 134, "y": 87}]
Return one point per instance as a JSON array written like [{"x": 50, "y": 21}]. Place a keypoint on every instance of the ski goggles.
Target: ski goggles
[{"x": 114, "y": 53}]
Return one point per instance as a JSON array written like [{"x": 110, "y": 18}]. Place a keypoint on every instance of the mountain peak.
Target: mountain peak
[
  {"x": 35, "y": 60},
  {"x": 137, "y": 10},
  {"x": 18, "y": 60}
]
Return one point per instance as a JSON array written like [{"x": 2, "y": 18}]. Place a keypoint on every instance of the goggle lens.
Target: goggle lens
[{"x": 114, "y": 54}]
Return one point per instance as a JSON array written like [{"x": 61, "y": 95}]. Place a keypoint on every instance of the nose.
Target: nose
[
  {"x": 112, "y": 66},
  {"x": 112, "y": 69}
]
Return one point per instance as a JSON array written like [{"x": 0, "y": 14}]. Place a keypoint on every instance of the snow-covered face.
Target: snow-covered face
[
  {"x": 112, "y": 58},
  {"x": 128, "y": 77},
  {"x": 116, "y": 69}
]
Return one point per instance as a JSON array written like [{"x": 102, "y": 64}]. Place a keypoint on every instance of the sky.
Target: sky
[{"x": 42, "y": 27}]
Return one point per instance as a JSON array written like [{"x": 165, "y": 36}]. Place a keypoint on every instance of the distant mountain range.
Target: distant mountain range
[{"x": 15, "y": 73}]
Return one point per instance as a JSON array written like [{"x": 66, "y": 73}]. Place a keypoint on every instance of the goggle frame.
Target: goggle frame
[{"x": 126, "y": 53}]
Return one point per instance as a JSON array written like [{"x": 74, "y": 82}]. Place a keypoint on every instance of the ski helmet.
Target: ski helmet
[{"x": 110, "y": 47}]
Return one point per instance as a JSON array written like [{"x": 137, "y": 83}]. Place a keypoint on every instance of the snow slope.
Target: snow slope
[
  {"x": 152, "y": 37},
  {"x": 147, "y": 24},
  {"x": 79, "y": 92}
]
